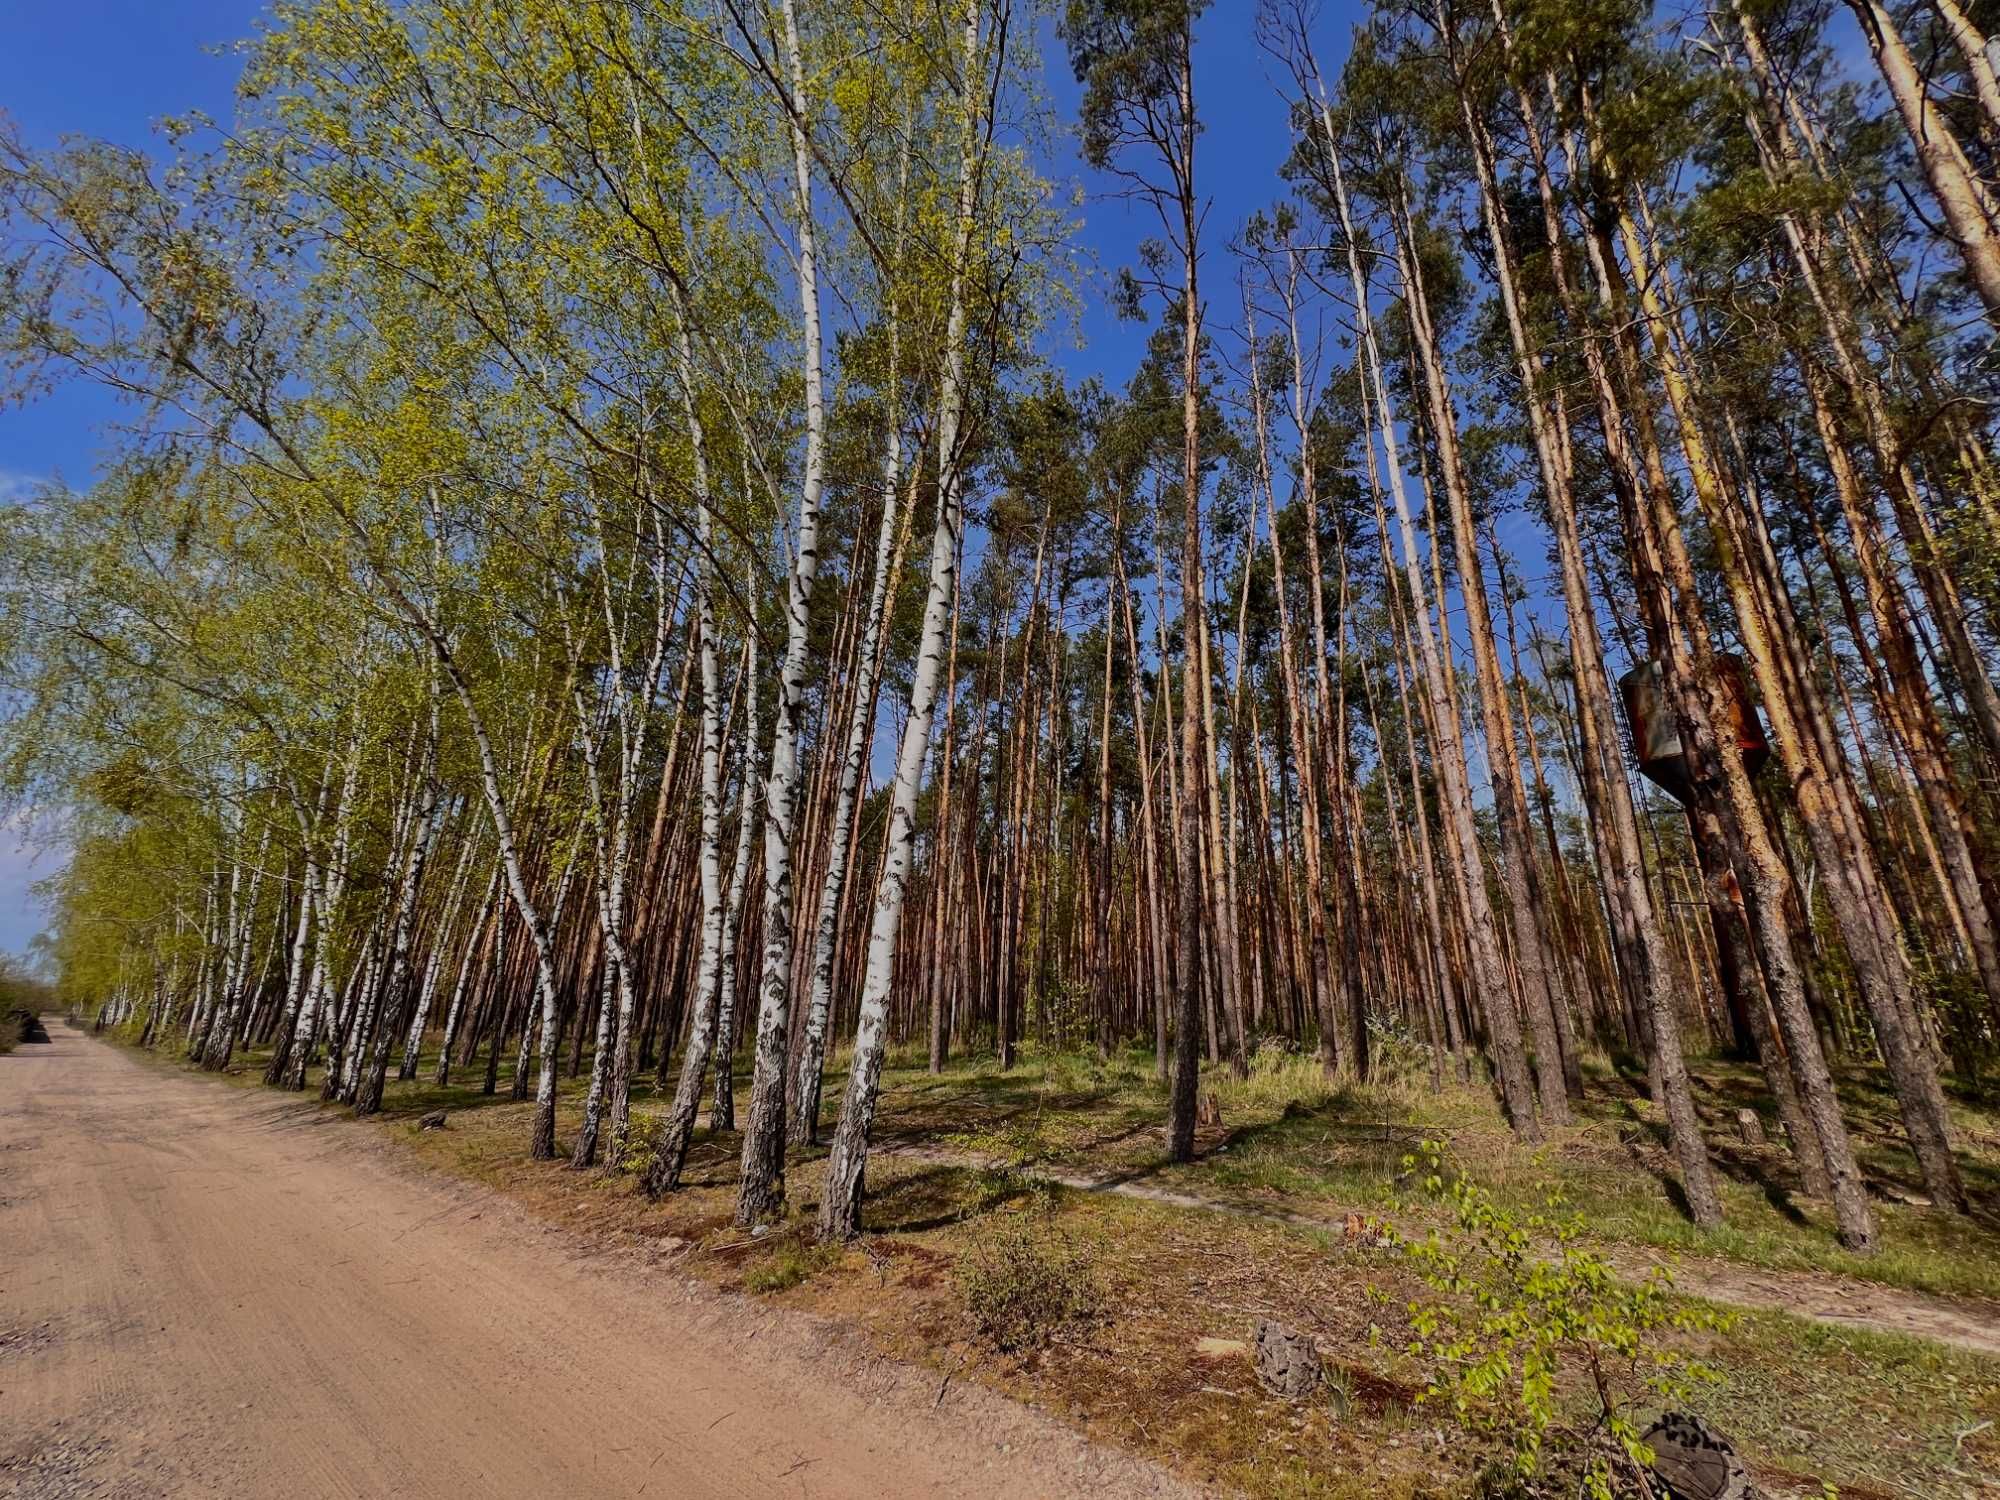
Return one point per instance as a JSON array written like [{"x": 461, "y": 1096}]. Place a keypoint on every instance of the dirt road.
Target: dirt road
[{"x": 206, "y": 1291}]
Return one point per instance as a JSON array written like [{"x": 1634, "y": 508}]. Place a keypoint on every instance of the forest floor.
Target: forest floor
[
  {"x": 1291, "y": 1147},
  {"x": 1876, "y": 1374}
]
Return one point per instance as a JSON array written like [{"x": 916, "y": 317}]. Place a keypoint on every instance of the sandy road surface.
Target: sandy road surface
[{"x": 209, "y": 1291}]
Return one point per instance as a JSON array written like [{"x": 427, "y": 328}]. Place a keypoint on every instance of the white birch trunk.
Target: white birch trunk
[
  {"x": 333, "y": 884},
  {"x": 454, "y": 903},
  {"x": 542, "y": 1136},
  {"x": 203, "y": 973},
  {"x": 224, "y": 944},
  {"x": 455, "y": 1013},
  {"x": 861, "y": 721},
  {"x": 635, "y": 715},
  {"x": 723, "y": 1115},
  {"x": 423, "y": 835},
  {"x": 762, "y": 1191},
  {"x": 840, "y": 1202},
  {"x": 663, "y": 1172},
  {"x": 296, "y": 973},
  {"x": 222, "y": 1025}
]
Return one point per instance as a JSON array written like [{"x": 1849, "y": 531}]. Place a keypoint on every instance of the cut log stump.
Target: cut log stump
[
  {"x": 1695, "y": 1462},
  {"x": 1287, "y": 1362}
]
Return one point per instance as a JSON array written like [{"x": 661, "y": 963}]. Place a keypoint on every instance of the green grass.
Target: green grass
[
  {"x": 1902, "y": 1415},
  {"x": 1300, "y": 1142},
  {"x": 793, "y": 1261}
]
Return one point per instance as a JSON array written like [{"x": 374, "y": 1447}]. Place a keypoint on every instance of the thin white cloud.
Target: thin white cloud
[
  {"x": 22, "y": 914},
  {"x": 27, "y": 854},
  {"x": 16, "y": 487}
]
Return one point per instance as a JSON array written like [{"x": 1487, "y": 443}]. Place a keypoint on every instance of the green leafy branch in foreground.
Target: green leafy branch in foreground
[{"x": 1535, "y": 1344}]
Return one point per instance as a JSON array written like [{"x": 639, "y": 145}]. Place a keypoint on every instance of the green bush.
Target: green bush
[
  {"x": 642, "y": 1138},
  {"x": 1535, "y": 1345},
  {"x": 1024, "y": 1282}
]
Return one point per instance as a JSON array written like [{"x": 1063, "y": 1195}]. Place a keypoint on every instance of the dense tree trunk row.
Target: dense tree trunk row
[{"x": 1268, "y": 703}]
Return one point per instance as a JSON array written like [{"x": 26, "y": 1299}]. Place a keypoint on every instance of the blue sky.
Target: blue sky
[{"x": 107, "y": 68}]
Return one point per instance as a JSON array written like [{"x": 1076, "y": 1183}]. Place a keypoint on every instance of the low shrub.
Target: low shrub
[
  {"x": 1537, "y": 1347},
  {"x": 1398, "y": 1057},
  {"x": 642, "y": 1138},
  {"x": 1024, "y": 1282}
]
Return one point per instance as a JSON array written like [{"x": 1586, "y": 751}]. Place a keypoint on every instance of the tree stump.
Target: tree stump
[
  {"x": 1749, "y": 1127},
  {"x": 1287, "y": 1363},
  {"x": 1208, "y": 1111},
  {"x": 1364, "y": 1231},
  {"x": 1694, "y": 1461}
]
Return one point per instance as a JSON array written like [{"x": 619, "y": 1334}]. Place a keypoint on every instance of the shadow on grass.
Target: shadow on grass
[
  {"x": 940, "y": 1196},
  {"x": 1304, "y": 1132},
  {"x": 1722, "y": 1087}
]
